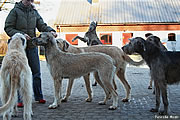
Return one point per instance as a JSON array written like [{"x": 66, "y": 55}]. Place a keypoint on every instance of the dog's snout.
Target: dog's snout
[
  {"x": 34, "y": 41},
  {"x": 124, "y": 48},
  {"x": 34, "y": 38}
]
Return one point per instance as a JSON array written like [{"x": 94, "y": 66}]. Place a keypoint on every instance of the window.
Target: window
[
  {"x": 69, "y": 38},
  {"x": 125, "y": 37},
  {"x": 171, "y": 37},
  {"x": 106, "y": 38}
]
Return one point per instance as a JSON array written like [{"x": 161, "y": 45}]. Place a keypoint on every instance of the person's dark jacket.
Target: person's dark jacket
[{"x": 25, "y": 20}]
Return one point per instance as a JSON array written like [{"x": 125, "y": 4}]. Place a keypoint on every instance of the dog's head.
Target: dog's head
[
  {"x": 18, "y": 40},
  {"x": 63, "y": 44},
  {"x": 156, "y": 41},
  {"x": 44, "y": 39},
  {"x": 136, "y": 45},
  {"x": 92, "y": 26},
  {"x": 153, "y": 39}
]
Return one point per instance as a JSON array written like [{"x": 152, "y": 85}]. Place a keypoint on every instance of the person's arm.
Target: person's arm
[
  {"x": 42, "y": 26},
  {"x": 10, "y": 24}
]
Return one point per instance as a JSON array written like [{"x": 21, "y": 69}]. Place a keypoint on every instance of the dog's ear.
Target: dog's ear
[
  {"x": 39, "y": 36},
  {"x": 130, "y": 39},
  {"x": 23, "y": 41},
  {"x": 9, "y": 40},
  {"x": 65, "y": 46},
  {"x": 50, "y": 36},
  {"x": 142, "y": 44}
]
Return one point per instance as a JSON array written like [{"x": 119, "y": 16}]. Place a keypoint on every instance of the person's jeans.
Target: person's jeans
[{"x": 34, "y": 63}]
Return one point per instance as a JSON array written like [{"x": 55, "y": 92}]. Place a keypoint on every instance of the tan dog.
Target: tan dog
[
  {"x": 16, "y": 75},
  {"x": 69, "y": 65},
  {"x": 120, "y": 58}
]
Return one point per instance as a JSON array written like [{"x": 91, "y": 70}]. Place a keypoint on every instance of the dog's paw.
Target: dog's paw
[
  {"x": 27, "y": 116},
  {"x": 125, "y": 100},
  {"x": 112, "y": 108},
  {"x": 95, "y": 84},
  {"x": 154, "y": 110},
  {"x": 102, "y": 103},
  {"x": 149, "y": 87},
  {"x": 32, "y": 113},
  {"x": 163, "y": 113},
  {"x": 109, "y": 97},
  {"x": 14, "y": 113},
  {"x": 88, "y": 99},
  {"x": 52, "y": 106},
  {"x": 64, "y": 100}
]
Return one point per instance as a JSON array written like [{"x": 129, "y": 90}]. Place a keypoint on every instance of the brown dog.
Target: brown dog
[
  {"x": 120, "y": 58},
  {"x": 68, "y": 65}
]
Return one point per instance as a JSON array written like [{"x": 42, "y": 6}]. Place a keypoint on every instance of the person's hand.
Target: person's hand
[
  {"x": 27, "y": 37},
  {"x": 54, "y": 34}
]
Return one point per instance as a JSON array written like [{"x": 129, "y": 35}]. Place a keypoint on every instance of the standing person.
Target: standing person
[{"x": 24, "y": 18}]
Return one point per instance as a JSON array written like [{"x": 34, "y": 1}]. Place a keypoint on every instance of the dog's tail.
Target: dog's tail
[
  {"x": 13, "y": 94},
  {"x": 132, "y": 62}
]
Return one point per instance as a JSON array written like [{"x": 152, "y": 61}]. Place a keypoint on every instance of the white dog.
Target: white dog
[{"x": 16, "y": 75}]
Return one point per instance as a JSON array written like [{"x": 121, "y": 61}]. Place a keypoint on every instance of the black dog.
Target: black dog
[
  {"x": 90, "y": 38},
  {"x": 164, "y": 67},
  {"x": 156, "y": 41}
]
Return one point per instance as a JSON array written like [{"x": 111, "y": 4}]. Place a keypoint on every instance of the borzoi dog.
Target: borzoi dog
[{"x": 16, "y": 75}]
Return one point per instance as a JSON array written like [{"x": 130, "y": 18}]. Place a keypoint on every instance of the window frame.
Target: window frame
[
  {"x": 104, "y": 41},
  {"x": 171, "y": 37}
]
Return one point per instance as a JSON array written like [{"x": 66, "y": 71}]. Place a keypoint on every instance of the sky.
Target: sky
[{"x": 48, "y": 10}]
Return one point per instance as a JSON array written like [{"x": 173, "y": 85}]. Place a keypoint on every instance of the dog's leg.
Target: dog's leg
[
  {"x": 107, "y": 77},
  {"x": 110, "y": 88},
  {"x": 94, "y": 84},
  {"x": 15, "y": 111},
  {"x": 57, "y": 93},
  {"x": 150, "y": 84},
  {"x": 115, "y": 100},
  {"x": 114, "y": 84},
  {"x": 68, "y": 92},
  {"x": 157, "y": 92},
  {"x": 78, "y": 37},
  {"x": 6, "y": 116},
  {"x": 26, "y": 90},
  {"x": 163, "y": 88},
  {"x": 122, "y": 78},
  {"x": 27, "y": 100},
  {"x": 96, "y": 76},
  {"x": 88, "y": 87},
  {"x": 5, "y": 90}
]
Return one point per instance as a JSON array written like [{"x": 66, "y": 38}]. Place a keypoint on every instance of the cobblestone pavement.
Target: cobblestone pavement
[{"x": 142, "y": 100}]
